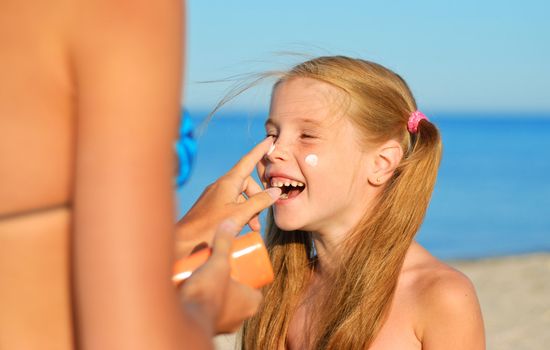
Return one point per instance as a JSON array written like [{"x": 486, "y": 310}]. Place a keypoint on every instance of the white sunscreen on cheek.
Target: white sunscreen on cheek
[
  {"x": 312, "y": 159},
  {"x": 271, "y": 149}
]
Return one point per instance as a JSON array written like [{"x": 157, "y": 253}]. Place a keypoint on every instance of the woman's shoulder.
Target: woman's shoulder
[{"x": 446, "y": 299}]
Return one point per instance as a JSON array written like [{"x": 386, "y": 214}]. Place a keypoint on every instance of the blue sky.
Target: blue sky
[{"x": 473, "y": 56}]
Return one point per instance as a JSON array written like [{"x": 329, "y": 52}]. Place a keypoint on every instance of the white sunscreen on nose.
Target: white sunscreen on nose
[
  {"x": 312, "y": 159},
  {"x": 271, "y": 149}
]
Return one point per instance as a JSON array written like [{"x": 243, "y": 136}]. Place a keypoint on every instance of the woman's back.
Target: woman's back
[
  {"x": 90, "y": 95},
  {"x": 36, "y": 168}
]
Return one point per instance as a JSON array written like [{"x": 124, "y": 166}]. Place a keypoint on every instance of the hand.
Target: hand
[
  {"x": 211, "y": 297},
  {"x": 225, "y": 199}
]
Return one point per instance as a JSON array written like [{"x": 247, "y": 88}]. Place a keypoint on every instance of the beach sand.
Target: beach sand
[{"x": 514, "y": 293}]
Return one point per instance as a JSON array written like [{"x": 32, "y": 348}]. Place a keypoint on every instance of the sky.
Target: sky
[{"x": 457, "y": 56}]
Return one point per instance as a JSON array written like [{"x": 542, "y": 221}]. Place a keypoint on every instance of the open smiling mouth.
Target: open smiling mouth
[{"x": 290, "y": 188}]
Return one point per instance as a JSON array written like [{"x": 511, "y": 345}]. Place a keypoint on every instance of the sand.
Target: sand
[{"x": 514, "y": 293}]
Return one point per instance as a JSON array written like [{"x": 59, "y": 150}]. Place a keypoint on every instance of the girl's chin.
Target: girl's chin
[{"x": 287, "y": 226}]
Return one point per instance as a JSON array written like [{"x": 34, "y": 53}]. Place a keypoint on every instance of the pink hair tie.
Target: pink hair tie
[{"x": 414, "y": 119}]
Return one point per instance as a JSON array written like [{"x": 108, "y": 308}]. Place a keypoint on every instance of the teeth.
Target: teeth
[
  {"x": 284, "y": 196},
  {"x": 287, "y": 183}
]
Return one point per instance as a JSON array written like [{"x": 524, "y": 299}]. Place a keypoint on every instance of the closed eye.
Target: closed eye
[
  {"x": 308, "y": 133},
  {"x": 308, "y": 136},
  {"x": 271, "y": 132}
]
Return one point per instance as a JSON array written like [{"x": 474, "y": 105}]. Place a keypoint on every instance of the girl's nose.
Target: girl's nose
[{"x": 277, "y": 152}]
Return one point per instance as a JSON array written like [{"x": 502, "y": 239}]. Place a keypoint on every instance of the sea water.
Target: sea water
[{"x": 492, "y": 196}]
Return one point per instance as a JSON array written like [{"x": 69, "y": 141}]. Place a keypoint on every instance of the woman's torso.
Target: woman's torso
[{"x": 36, "y": 157}]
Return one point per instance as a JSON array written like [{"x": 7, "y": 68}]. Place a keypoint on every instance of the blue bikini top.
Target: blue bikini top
[{"x": 186, "y": 149}]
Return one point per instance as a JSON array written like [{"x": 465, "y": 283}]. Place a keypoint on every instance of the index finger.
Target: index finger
[{"x": 247, "y": 164}]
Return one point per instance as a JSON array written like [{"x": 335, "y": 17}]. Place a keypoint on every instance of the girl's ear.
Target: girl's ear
[{"x": 386, "y": 159}]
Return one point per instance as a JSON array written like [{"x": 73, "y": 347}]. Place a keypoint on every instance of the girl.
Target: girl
[{"x": 357, "y": 165}]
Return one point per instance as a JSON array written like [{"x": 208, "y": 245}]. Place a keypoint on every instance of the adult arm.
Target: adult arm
[{"x": 127, "y": 58}]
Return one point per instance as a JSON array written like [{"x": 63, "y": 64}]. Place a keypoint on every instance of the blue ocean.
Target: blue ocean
[{"x": 492, "y": 195}]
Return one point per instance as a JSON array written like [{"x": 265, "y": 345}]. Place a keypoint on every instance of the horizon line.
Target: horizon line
[{"x": 436, "y": 113}]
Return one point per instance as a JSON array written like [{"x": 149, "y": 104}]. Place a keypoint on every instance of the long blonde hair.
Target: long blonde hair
[{"x": 354, "y": 305}]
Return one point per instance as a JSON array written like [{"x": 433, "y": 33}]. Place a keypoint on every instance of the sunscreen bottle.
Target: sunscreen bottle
[{"x": 250, "y": 264}]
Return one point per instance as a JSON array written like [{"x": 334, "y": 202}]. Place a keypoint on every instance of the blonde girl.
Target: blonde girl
[{"x": 357, "y": 163}]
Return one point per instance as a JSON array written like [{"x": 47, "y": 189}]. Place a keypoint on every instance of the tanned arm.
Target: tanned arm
[{"x": 127, "y": 59}]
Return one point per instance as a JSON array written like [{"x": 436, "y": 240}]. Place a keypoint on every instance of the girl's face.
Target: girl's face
[{"x": 317, "y": 159}]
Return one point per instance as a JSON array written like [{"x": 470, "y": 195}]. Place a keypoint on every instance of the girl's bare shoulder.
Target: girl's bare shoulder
[
  {"x": 431, "y": 277},
  {"x": 446, "y": 301}
]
